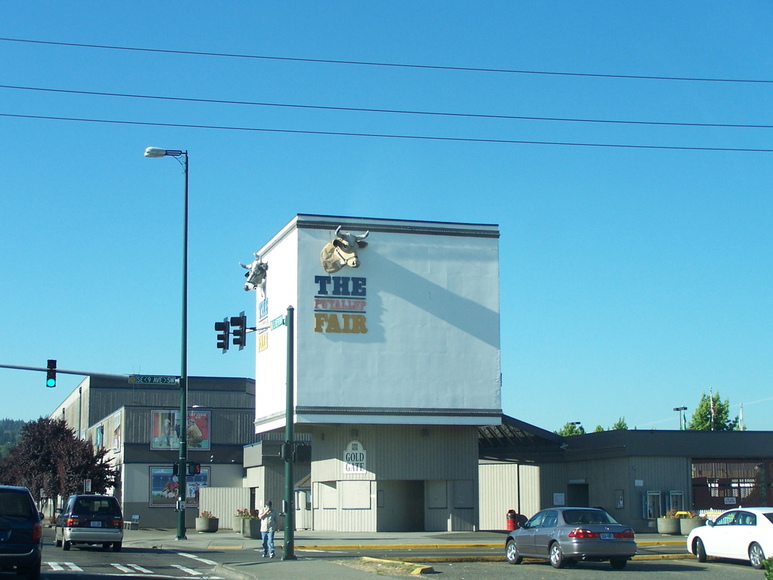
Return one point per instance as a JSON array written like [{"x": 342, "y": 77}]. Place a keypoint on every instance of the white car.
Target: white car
[{"x": 739, "y": 534}]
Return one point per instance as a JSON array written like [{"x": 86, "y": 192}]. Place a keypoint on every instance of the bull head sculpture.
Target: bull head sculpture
[
  {"x": 342, "y": 251},
  {"x": 256, "y": 277}
]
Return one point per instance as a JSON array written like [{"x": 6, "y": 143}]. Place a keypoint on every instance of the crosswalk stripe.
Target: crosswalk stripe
[
  {"x": 123, "y": 569},
  {"x": 190, "y": 571},
  {"x": 61, "y": 566},
  {"x": 139, "y": 568},
  {"x": 194, "y": 557}
]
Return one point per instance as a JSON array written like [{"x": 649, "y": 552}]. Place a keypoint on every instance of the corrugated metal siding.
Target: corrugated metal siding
[
  {"x": 504, "y": 487},
  {"x": 398, "y": 452},
  {"x": 223, "y": 503}
]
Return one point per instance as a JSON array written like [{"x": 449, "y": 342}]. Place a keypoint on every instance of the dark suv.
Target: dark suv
[
  {"x": 21, "y": 534},
  {"x": 90, "y": 519}
]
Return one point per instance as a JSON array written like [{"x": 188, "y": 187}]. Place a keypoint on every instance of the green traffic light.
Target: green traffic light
[{"x": 51, "y": 383}]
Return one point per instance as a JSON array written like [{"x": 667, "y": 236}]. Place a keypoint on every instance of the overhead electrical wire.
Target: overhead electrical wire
[
  {"x": 390, "y": 136},
  {"x": 388, "y": 111},
  {"x": 391, "y": 65}
]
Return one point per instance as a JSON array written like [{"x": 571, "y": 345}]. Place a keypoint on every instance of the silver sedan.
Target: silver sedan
[{"x": 565, "y": 535}]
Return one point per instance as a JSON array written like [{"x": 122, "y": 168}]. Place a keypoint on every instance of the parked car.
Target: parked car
[
  {"x": 739, "y": 534},
  {"x": 564, "y": 535},
  {"x": 90, "y": 519},
  {"x": 21, "y": 533}
]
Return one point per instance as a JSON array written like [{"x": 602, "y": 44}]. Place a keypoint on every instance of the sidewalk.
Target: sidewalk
[{"x": 323, "y": 569}]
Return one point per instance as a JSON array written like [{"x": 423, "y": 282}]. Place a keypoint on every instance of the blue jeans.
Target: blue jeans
[{"x": 268, "y": 542}]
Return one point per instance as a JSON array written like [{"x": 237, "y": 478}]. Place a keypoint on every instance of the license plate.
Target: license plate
[
  {"x": 96, "y": 524},
  {"x": 606, "y": 536}
]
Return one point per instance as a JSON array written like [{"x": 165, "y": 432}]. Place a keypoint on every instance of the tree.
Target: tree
[
  {"x": 571, "y": 429},
  {"x": 712, "y": 414},
  {"x": 620, "y": 425},
  {"x": 49, "y": 457}
]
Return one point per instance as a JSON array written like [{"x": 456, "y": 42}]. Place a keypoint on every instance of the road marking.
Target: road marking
[
  {"x": 60, "y": 566},
  {"x": 190, "y": 571},
  {"x": 123, "y": 569},
  {"x": 194, "y": 557},
  {"x": 139, "y": 568}
]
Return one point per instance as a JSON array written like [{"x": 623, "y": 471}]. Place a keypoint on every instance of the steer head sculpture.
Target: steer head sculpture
[
  {"x": 342, "y": 251},
  {"x": 256, "y": 277}
]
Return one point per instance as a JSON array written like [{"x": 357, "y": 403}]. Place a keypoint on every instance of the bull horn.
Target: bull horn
[
  {"x": 243, "y": 266},
  {"x": 363, "y": 236},
  {"x": 338, "y": 229}
]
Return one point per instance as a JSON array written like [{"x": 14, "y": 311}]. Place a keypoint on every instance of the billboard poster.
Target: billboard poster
[
  {"x": 164, "y": 486},
  {"x": 165, "y": 429}
]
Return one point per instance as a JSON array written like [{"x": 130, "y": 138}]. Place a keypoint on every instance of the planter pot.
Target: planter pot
[
  {"x": 251, "y": 529},
  {"x": 686, "y": 525},
  {"x": 668, "y": 526},
  {"x": 207, "y": 524},
  {"x": 238, "y": 526}
]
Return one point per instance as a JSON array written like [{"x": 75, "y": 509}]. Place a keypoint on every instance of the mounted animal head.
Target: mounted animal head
[
  {"x": 256, "y": 277},
  {"x": 342, "y": 250}
]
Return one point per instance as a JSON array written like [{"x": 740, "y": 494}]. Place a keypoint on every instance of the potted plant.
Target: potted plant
[
  {"x": 688, "y": 522},
  {"x": 206, "y": 522},
  {"x": 669, "y": 523},
  {"x": 250, "y": 524}
]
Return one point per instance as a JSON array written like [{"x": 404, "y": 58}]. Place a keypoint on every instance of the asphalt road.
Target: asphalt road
[{"x": 188, "y": 561}]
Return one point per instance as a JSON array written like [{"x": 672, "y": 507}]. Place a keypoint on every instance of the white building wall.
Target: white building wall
[{"x": 425, "y": 348}]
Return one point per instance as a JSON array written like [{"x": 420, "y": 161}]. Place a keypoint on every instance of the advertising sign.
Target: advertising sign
[{"x": 165, "y": 429}]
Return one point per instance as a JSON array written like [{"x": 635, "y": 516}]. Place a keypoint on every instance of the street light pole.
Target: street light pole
[
  {"x": 289, "y": 503},
  {"x": 680, "y": 410},
  {"x": 182, "y": 157}
]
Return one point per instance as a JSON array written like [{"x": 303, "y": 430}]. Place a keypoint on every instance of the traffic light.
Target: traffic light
[
  {"x": 194, "y": 468},
  {"x": 51, "y": 374},
  {"x": 224, "y": 338},
  {"x": 239, "y": 326}
]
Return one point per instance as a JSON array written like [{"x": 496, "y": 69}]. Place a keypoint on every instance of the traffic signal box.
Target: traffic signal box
[
  {"x": 51, "y": 374},
  {"x": 223, "y": 339},
  {"x": 239, "y": 329}
]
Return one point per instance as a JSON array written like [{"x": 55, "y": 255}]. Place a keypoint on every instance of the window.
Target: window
[{"x": 551, "y": 519}]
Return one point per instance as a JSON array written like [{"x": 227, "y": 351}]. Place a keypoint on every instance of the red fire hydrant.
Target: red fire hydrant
[{"x": 512, "y": 523}]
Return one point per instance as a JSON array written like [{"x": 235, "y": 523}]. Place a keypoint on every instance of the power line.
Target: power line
[
  {"x": 389, "y": 136},
  {"x": 391, "y": 65},
  {"x": 388, "y": 111}
]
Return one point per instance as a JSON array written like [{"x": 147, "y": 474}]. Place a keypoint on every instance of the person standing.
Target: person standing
[{"x": 267, "y": 527}]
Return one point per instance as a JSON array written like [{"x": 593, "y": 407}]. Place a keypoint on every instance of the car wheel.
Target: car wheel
[
  {"x": 756, "y": 556},
  {"x": 65, "y": 545},
  {"x": 556, "y": 555},
  {"x": 511, "y": 552},
  {"x": 116, "y": 546},
  {"x": 700, "y": 550},
  {"x": 618, "y": 563}
]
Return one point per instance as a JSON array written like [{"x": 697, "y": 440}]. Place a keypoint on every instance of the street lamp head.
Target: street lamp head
[
  {"x": 158, "y": 152},
  {"x": 155, "y": 152}
]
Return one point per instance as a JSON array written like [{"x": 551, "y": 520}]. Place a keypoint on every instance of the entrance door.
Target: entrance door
[
  {"x": 400, "y": 506},
  {"x": 578, "y": 495}
]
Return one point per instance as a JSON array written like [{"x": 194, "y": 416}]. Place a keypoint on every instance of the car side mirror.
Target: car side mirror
[{"x": 710, "y": 523}]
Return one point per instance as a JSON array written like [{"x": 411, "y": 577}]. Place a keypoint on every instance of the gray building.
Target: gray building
[
  {"x": 139, "y": 426},
  {"x": 636, "y": 475}
]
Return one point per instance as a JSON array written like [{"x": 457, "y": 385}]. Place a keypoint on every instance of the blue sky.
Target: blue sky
[{"x": 633, "y": 278}]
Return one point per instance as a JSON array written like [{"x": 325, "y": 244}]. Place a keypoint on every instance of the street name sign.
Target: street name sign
[{"x": 153, "y": 380}]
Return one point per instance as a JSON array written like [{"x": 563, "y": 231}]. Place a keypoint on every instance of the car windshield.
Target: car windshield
[
  {"x": 579, "y": 516},
  {"x": 14, "y": 505}
]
